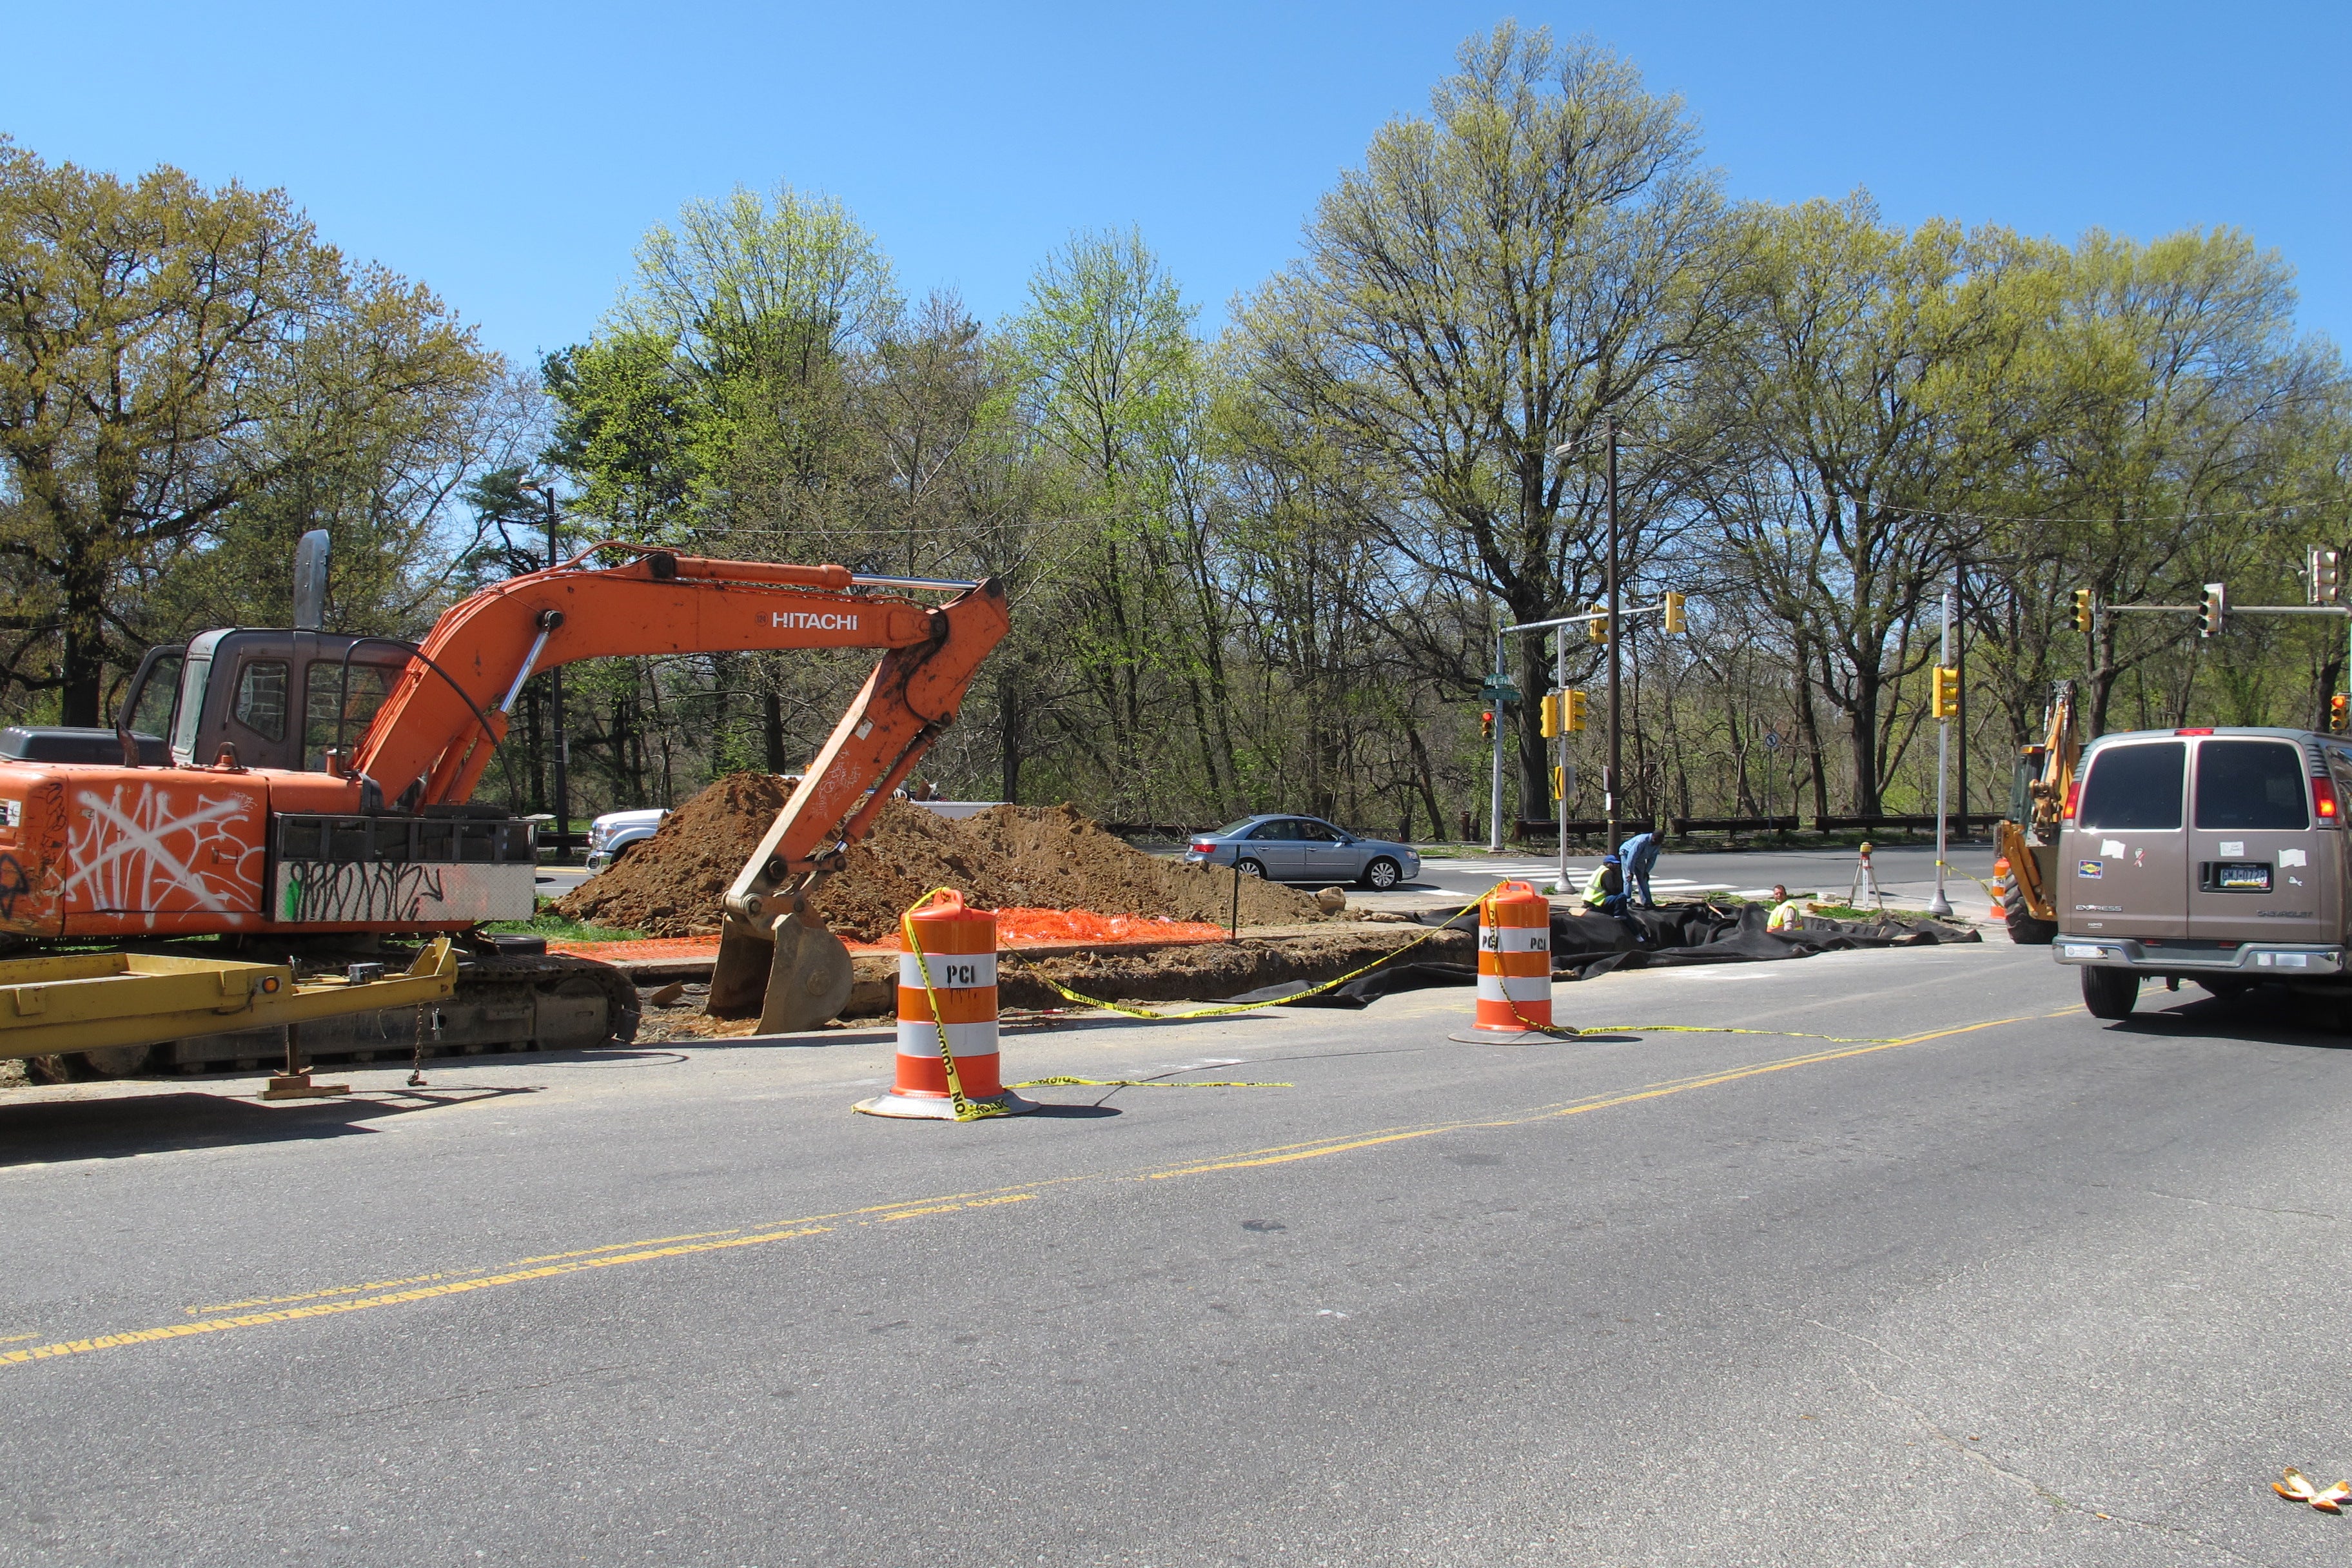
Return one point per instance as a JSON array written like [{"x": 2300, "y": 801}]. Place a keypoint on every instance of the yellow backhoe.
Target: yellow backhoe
[{"x": 2027, "y": 868}]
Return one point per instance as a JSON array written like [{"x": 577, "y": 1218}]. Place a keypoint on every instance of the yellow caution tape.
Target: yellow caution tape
[
  {"x": 1279, "y": 1000},
  {"x": 1972, "y": 877}
]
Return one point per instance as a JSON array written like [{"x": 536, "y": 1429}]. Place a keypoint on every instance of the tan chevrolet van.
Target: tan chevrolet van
[{"x": 2218, "y": 856}]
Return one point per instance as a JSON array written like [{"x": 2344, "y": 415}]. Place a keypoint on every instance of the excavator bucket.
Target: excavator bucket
[{"x": 799, "y": 981}]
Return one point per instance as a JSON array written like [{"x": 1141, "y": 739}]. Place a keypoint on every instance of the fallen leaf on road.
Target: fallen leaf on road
[{"x": 2297, "y": 1488}]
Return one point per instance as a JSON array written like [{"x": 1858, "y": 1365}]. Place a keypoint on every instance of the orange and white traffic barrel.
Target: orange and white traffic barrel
[
  {"x": 947, "y": 1009},
  {"x": 1513, "y": 961}
]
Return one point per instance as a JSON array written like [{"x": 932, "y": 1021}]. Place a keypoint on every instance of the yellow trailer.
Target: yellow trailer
[{"x": 101, "y": 1001}]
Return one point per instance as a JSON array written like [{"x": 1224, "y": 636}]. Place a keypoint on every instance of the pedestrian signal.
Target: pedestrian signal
[
  {"x": 2339, "y": 713},
  {"x": 1597, "y": 628},
  {"x": 2212, "y": 610},
  {"x": 2082, "y": 609},
  {"x": 1944, "y": 692},
  {"x": 1559, "y": 783},
  {"x": 2327, "y": 581},
  {"x": 1674, "y": 614},
  {"x": 1574, "y": 715}
]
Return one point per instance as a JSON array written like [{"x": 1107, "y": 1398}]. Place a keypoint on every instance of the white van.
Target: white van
[{"x": 2212, "y": 854}]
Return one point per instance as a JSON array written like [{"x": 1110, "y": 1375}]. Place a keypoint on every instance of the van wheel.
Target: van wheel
[{"x": 2109, "y": 992}]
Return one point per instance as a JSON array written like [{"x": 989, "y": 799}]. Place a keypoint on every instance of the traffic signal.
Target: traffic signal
[
  {"x": 1573, "y": 719},
  {"x": 2339, "y": 713},
  {"x": 2082, "y": 609},
  {"x": 1673, "y": 613},
  {"x": 1551, "y": 706},
  {"x": 1944, "y": 692},
  {"x": 1597, "y": 628},
  {"x": 2212, "y": 610},
  {"x": 1486, "y": 725},
  {"x": 2327, "y": 581}
]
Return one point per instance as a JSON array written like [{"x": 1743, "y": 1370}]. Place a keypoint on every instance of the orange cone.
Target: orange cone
[
  {"x": 1513, "y": 961},
  {"x": 953, "y": 949}
]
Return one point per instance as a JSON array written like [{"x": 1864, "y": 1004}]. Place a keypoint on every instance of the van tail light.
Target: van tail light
[
  {"x": 2073, "y": 798},
  {"x": 2323, "y": 798}
]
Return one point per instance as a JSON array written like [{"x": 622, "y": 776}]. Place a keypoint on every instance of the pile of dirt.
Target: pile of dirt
[{"x": 1048, "y": 858}]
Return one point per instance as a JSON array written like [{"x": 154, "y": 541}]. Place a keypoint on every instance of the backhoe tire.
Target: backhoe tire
[
  {"x": 2109, "y": 992},
  {"x": 2024, "y": 930}
]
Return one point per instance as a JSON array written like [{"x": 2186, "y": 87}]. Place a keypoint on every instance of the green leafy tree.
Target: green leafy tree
[
  {"x": 1544, "y": 254},
  {"x": 169, "y": 355}
]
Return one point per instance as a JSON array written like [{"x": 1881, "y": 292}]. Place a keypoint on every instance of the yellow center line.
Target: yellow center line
[
  {"x": 622, "y": 1254},
  {"x": 332, "y": 1290},
  {"x": 1573, "y": 1108}
]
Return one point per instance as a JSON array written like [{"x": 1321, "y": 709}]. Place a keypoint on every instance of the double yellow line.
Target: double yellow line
[{"x": 556, "y": 1266}]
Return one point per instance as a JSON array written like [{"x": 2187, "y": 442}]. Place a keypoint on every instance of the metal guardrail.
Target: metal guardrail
[
  {"x": 1686, "y": 826},
  {"x": 1593, "y": 827},
  {"x": 1919, "y": 821}
]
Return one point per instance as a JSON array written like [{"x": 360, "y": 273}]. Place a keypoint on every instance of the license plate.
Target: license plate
[{"x": 2242, "y": 878}]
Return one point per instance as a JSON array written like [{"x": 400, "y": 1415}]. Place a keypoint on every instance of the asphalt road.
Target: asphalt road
[{"x": 1979, "y": 1281}]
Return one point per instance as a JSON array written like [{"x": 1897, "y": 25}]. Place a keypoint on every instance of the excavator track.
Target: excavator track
[{"x": 505, "y": 1002}]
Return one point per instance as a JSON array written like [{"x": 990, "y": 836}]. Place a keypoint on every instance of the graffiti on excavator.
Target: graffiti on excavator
[{"x": 162, "y": 851}]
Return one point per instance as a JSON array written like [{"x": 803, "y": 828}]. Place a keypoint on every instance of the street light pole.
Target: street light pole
[
  {"x": 1609, "y": 783},
  {"x": 562, "y": 743},
  {"x": 1494, "y": 706}
]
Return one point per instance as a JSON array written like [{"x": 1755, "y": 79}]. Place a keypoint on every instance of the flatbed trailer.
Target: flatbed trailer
[{"x": 115, "y": 1001}]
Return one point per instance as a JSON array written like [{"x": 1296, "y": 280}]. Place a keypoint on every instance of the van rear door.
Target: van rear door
[
  {"x": 2124, "y": 869},
  {"x": 2258, "y": 865}
]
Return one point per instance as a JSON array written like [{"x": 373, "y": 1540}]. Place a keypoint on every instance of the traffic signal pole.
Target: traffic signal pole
[
  {"x": 1669, "y": 609},
  {"x": 1560, "y": 747},
  {"x": 2214, "y": 609},
  {"x": 1940, "y": 905}
]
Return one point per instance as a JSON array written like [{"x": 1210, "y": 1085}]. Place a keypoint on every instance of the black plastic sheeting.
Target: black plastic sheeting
[{"x": 1585, "y": 945}]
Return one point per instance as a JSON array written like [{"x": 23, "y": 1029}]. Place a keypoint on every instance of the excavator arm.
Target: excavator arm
[{"x": 434, "y": 733}]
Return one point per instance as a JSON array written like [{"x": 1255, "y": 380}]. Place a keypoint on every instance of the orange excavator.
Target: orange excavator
[{"x": 307, "y": 793}]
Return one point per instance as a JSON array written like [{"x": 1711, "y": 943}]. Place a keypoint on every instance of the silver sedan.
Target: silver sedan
[{"x": 1304, "y": 849}]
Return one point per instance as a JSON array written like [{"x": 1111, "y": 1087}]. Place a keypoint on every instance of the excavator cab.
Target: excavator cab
[{"x": 273, "y": 698}]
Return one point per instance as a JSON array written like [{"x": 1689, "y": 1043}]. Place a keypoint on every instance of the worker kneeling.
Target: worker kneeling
[{"x": 1605, "y": 890}]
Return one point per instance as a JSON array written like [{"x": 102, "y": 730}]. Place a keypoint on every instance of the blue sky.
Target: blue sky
[{"x": 509, "y": 155}]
